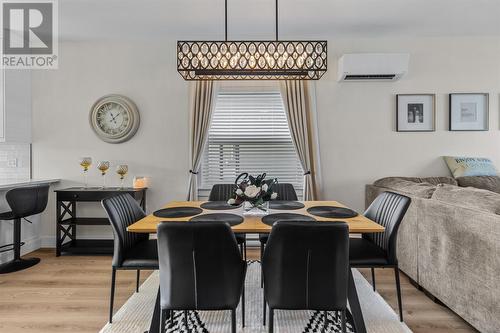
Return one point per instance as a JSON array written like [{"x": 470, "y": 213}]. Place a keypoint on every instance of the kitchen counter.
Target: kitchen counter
[{"x": 7, "y": 184}]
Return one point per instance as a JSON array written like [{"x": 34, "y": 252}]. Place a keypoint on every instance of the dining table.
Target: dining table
[{"x": 191, "y": 211}]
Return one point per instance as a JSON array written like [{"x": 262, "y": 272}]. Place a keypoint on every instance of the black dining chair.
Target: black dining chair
[
  {"x": 223, "y": 192},
  {"x": 378, "y": 250},
  {"x": 285, "y": 192},
  {"x": 200, "y": 269},
  {"x": 132, "y": 251},
  {"x": 306, "y": 267},
  {"x": 23, "y": 202}
]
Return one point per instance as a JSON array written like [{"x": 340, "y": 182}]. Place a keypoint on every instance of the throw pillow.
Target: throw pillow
[
  {"x": 470, "y": 166},
  {"x": 490, "y": 183}
]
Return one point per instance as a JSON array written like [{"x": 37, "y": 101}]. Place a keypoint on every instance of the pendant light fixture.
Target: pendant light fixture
[{"x": 252, "y": 60}]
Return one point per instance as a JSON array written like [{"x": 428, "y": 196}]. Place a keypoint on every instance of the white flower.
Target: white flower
[
  {"x": 265, "y": 187},
  {"x": 239, "y": 192},
  {"x": 274, "y": 195},
  {"x": 231, "y": 201},
  {"x": 251, "y": 191}
]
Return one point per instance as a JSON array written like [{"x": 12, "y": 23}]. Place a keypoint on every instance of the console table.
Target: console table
[{"x": 67, "y": 219}]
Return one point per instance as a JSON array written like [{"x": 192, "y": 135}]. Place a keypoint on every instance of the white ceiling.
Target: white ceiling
[{"x": 254, "y": 19}]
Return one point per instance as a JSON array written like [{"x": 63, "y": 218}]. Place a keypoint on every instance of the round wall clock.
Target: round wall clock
[{"x": 114, "y": 118}]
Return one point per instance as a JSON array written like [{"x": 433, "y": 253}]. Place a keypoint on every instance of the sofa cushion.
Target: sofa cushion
[
  {"x": 439, "y": 180},
  {"x": 468, "y": 197},
  {"x": 430, "y": 180},
  {"x": 470, "y": 166},
  {"x": 413, "y": 188},
  {"x": 490, "y": 183}
]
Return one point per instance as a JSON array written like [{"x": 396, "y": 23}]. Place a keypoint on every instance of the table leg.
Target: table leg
[
  {"x": 357, "y": 315},
  {"x": 154, "y": 326}
]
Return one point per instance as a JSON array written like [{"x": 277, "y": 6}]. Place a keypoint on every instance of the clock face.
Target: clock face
[{"x": 114, "y": 118}]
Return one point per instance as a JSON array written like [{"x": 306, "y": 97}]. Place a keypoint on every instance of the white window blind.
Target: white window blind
[{"x": 249, "y": 133}]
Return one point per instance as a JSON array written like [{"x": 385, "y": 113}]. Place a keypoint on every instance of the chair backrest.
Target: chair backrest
[
  {"x": 306, "y": 266},
  {"x": 285, "y": 192},
  {"x": 123, "y": 210},
  {"x": 28, "y": 200},
  {"x": 200, "y": 266},
  {"x": 221, "y": 192},
  {"x": 388, "y": 210}
]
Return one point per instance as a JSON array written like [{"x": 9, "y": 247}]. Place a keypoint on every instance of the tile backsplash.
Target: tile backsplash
[{"x": 15, "y": 161}]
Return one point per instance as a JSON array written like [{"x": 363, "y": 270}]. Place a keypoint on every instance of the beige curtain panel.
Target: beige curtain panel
[
  {"x": 201, "y": 108},
  {"x": 299, "y": 110}
]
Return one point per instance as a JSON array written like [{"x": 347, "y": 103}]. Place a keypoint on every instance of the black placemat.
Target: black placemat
[
  {"x": 232, "y": 219},
  {"x": 285, "y": 205},
  {"x": 218, "y": 205},
  {"x": 332, "y": 212},
  {"x": 271, "y": 218},
  {"x": 175, "y": 212}
]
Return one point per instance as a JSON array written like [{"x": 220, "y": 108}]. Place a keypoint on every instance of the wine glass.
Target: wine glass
[
  {"x": 103, "y": 166},
  {"x": 85, "y": 163},
  {"x": 122, "y": 170}
]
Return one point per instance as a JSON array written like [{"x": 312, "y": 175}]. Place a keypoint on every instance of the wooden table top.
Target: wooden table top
[{"x": 253, "y": 224}]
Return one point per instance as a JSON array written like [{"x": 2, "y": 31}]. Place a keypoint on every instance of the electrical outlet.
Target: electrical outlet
[{"x": 12, "y": 163}]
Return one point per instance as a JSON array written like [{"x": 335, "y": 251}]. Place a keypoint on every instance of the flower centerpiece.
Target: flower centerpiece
[{"x": 254, "y": 193}]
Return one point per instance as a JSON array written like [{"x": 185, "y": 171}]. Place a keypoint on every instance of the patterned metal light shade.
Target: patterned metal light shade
[{"x": 251, "y": 60}]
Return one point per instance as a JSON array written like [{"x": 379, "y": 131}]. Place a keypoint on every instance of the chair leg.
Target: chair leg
[
  {"x": 325, "y": 321},
  {"x": 373, "y": 279},
  {"x": 271, "y": 320},
  {"x": 264, "y": 310},
  {"x": 163, "y": 320},
  {"x": 245, "y": 249},
  {"x": 186, "y": 323},
  {"x": 398, "y": 289},
  {"x": 112, "y": 298},
  {"x": 261, "y": 270},
  {"x": 243, "y": 306},
  {"x": 233, "y": 321},
  {"x": 137, "y": 280},
  {"x": 343, "y": 321}
]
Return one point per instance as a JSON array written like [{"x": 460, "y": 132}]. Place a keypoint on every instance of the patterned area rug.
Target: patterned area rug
[{"x": 135, "y": 315}]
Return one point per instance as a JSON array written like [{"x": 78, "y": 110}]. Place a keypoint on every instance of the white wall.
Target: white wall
[{"x": 356, "y": 120}]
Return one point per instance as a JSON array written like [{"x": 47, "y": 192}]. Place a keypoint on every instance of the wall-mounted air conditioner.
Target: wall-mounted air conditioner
[{"x": 372, "y": 66}]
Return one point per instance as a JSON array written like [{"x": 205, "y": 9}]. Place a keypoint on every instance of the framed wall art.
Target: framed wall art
[
  {"x": 469, "y": 112},
  {"x": 415, "y": 113}
]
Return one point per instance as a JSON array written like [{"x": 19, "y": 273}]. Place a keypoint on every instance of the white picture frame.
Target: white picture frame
[{"x": 469, "y": 112}]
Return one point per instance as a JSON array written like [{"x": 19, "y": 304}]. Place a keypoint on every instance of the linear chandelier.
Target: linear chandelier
[{"x": 252, "y": 60}]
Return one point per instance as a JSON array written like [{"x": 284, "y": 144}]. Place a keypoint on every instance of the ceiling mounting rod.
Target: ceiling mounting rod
[
  {"x": 276, "y": 20},
  {"x": 225, "y": 20}
]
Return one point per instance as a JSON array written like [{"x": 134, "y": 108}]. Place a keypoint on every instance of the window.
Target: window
[{"x": 249, "y": 133}]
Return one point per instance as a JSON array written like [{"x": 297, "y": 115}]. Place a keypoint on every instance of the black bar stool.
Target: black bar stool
[{"x": 23, "y": 202}]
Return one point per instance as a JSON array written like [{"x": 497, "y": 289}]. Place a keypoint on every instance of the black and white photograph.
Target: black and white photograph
[
  {"x": 415, "y": 113},
  {"x": 469, "y": 112}
]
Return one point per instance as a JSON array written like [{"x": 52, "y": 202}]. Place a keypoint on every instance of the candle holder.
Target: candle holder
[
  {"x": 85, "y": 163},
  {"x": 122, "y": 170}
]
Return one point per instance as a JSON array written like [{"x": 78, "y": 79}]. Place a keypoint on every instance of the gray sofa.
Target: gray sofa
[{"x": 449, "y": 243}]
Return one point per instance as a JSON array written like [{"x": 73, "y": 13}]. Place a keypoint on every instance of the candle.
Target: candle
[{"x": 140, "y": 182}]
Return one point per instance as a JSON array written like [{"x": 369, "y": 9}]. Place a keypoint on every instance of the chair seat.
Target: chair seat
[
  {"x": 7, "y": 216},
  {"x": 363, "y": 252},
  {"x": 263, "y": 238},
  {"x": 143, "y": 255}
]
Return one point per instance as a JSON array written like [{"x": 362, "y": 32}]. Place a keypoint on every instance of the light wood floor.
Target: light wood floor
[{"x": 71, "y": 294}]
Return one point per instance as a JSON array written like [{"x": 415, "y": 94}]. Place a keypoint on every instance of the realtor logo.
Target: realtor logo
[{"x": 29, "y": 34}]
